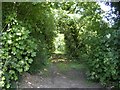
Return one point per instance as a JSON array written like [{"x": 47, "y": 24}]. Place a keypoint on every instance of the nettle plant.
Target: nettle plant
[{"x": 17, "y": 52}]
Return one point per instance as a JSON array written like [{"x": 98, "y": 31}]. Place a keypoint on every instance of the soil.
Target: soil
[{"x": 54, "y": 78}]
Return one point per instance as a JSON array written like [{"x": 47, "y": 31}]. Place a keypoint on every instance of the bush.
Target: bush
[
  {"x": 17, "y": 52},
  {"x": 103, "y": 61},
  {"x": 40, "y": 21},
  {"x": 102, "y": 54}
]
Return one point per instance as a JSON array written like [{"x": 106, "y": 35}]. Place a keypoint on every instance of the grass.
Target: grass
[{"x": 63, "y": 66}]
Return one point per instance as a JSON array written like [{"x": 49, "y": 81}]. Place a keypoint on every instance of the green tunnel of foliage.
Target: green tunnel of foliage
[{"x": 28, "y": 34}]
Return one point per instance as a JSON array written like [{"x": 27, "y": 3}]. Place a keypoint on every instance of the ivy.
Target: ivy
[
  {"x": 28, "y": 37},
  {"x": 17, "y": 52}
]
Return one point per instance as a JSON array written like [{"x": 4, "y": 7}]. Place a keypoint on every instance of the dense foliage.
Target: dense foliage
[
  {"x": 101, "y": 53},
  {"x": 91, "y": 39},
  {"x": 27, "y": 39},
  {"x": 17, "y": 52},
  {"x": 40, "y": 18},
  {"x": 28, "y": 36}
]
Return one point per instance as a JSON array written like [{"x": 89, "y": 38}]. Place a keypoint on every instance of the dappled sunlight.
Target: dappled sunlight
[{"x": 59, "y": 45}]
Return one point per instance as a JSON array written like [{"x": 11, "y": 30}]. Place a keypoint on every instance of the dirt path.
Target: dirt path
[{"x": 55, "y": 79}]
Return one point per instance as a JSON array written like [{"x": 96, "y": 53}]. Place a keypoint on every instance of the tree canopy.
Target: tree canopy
[{"x": 29, "y": 30}]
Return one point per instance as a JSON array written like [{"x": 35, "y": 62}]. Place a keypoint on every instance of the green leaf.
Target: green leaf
[
  {"x": 16, "y": 78},
  {"x": 21, "y": 62},
  {"x": 26, "y": 68},
  {"x": 20, "y": 70},
  {"x": 3, "y": 78},
  {"x": 8, "y": 86},
  {"x": 30, "y": 60},
  {"x": 2, "y": 83},
  {"x": 33, "y": 54},
  {"x": 9, "y": 41}
]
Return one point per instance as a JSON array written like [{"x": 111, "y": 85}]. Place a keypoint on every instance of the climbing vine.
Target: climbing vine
[
  {"x": 28, "y": 36},
  {"x": 17, "y": 52},
  {"x": 27, "y": 39}
]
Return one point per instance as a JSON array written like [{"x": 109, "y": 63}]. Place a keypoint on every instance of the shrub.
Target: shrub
[
  {"x": 17, "y": 52},
  {"x": 101, "y": 53}
]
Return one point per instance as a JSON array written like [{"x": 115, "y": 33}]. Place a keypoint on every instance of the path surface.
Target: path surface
[{"x": 55, "y": 79}]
